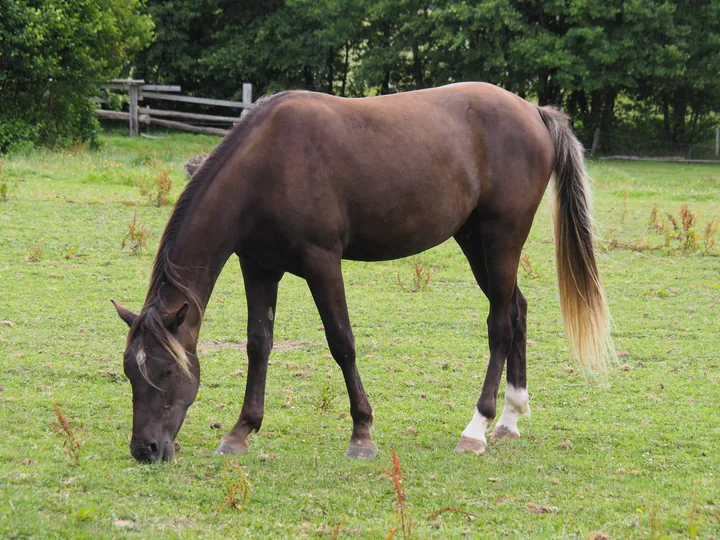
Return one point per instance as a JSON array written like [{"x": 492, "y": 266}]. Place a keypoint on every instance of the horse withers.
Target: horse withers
[{"x": 306, "y": 180}]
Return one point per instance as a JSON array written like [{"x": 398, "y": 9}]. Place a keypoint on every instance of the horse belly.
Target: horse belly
[{"x": 405, "y": 223}]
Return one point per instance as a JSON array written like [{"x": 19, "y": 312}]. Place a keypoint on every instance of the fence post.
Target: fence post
[
  {"x": 133, "y": 90},
  {"x": 247, "y": 93},
  {"x": 717, "y": 141}
]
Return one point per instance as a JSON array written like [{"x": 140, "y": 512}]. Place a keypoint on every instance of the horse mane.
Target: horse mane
[{"x": 164, "y": 271}]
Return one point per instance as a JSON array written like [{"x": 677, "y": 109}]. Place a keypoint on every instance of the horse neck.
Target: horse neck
[{"x": 198, "y": 252}]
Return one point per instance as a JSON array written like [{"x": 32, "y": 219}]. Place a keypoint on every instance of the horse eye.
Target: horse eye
[{"x": 168, "y": 372}]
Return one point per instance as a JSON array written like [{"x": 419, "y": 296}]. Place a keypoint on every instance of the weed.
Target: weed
[
  {"x": 679, "y": 232},
  {"x": 328, "y": 393},
  {"x": 689, "y": 220},
  {"x": 673, "y": 233},
  {"x": 5, "y": 186},
  {"x": 527, "y": 267},
  {"x": 163, "y": 184},
  {"x": 237, "y": 487},
  {"x": 62, "y": 427},
  {"x": 136, "y": 237},
  {"x": 152, "y": 161},
  {"x": 35, "y": 253},
  {"x": 654, "y": 222},
  {"x": 145, "y": 184},
  {"x": 71, "y": 252},
  {"x": 624, "y": 212},
  {"x": 421, "y": 277},
  {"x": 708, "y": 237},
  {"x": 406, "y": 522},
  {"x": 155, "y": 188}
]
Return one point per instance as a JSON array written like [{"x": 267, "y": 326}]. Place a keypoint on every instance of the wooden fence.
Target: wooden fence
[{"x": 138, "y": 91}]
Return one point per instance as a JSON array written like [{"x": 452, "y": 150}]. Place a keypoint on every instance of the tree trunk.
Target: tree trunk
[
  {"x": 678, "y": 116},
  {"x": 417, "y": 66},
  {"x": 666, "y": 119},
  {"x": 308, "y": 76},
  {"x": 595, "y": 141},
  {"x": 543, "y": 87},
  {"x": 331, "y": 69},
  {"x": 345, "y": 69}
]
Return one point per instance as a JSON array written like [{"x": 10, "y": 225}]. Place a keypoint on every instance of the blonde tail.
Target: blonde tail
[{"x": 582, "y": 299}]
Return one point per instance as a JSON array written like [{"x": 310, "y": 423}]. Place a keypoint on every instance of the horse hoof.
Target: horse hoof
[
  {"x": 503, "y": 432},
  {"x": 467, "y": 445},
  {"x": 361, "y": 450},
  {"x": 227, "y": 450}
]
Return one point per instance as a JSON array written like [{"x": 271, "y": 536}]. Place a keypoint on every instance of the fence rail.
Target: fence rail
[{"x": 139, "y": 91}]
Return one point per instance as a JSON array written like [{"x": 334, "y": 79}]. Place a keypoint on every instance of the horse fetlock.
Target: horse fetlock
[{"x": 473, "y": 436}]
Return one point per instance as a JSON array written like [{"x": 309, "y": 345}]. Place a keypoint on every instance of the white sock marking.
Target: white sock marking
[
  {"x": 516, "y": 405},
  {"x": 477, "y": 427}
]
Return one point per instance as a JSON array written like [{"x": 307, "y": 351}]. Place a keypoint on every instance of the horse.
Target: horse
[{"x": 305, "y": 180}]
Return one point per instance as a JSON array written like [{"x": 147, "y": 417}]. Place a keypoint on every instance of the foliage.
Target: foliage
[
  {"x": 237, "y": 486},
  {"x": 421, "y": 277},
  {"x": 406, "y": 522},
  {"x": 53, "y": 55},
  {"x": 615, "y": 65},
  {"x": 71, "y": 442},
  {"x": 155, "y": 187},
  {"x": 34, "y": 252},
  {"x": 136, "y": 237}
]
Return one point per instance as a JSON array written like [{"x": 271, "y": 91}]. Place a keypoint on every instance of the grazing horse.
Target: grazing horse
[{"x": 305, "y": 180}]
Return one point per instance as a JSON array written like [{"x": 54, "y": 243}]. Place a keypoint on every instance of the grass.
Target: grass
[{"x": 635, "y": 457}]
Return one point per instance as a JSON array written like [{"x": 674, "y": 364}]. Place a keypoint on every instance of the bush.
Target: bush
[{"x": 53, "y": 56}]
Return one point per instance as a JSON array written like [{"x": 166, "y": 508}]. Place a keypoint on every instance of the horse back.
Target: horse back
[{"x": 389, "y": 176}]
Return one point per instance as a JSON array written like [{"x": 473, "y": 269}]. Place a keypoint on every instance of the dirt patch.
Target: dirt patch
[{"x": 213, "y": 344}]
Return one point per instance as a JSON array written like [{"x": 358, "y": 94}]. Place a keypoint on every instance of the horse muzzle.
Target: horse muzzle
[{"x": 152, "y": 451}]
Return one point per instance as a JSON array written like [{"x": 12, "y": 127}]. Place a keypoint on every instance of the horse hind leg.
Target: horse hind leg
[
  {"x": 516, "y": 395},
  {"x": 494, "y": 262}
]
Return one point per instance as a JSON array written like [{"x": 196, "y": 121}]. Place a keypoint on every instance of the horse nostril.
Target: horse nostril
[{"x": 153, "y": 448}]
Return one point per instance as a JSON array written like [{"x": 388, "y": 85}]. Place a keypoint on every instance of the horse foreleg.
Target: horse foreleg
[
  {"x": 324, "y": 277},
  {"x": 261, "y": 289}
]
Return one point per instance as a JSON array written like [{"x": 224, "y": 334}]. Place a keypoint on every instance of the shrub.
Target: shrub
[
  {"x": 136, "y": 236},
  {"x": 54, "y": 55}
]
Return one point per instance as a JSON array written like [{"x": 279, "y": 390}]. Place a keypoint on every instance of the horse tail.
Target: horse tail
[{"x": 582, "y": 299}]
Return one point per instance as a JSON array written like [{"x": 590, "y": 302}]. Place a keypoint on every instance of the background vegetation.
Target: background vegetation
[
  {"x": 635, "y": 74},
  {"x": 633, "y": 458},
  {"x": 635, "y": 69}
]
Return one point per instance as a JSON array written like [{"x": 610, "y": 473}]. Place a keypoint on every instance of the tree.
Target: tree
[{"x": 53, "y": 55}]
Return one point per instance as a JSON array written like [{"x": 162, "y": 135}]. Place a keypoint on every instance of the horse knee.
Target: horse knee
[{"x": 259, "y": 344}]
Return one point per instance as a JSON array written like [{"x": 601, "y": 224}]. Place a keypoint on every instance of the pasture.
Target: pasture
[{"x": 631, "y": 455}]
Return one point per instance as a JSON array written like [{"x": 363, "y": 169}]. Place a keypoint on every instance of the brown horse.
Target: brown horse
[{"x": 306, "y": 180}]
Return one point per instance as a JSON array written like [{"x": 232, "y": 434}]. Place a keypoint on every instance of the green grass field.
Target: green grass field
[{"x": 642, "y": 458}]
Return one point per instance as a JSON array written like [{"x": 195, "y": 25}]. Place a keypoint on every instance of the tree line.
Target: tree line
[{"x": 623, "y": 68}]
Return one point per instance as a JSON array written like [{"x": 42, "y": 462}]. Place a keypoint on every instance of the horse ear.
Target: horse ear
[
  {"x": 125, "y": 314},
  {"x": 174, "y": 319}
]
